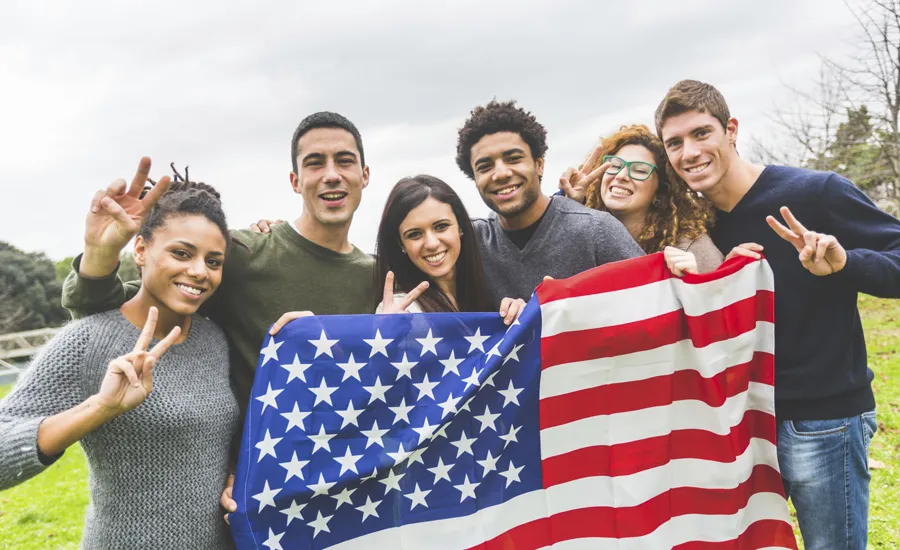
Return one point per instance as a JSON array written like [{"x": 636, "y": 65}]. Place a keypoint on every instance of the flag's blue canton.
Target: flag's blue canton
[{"x": 361, "y": 423}]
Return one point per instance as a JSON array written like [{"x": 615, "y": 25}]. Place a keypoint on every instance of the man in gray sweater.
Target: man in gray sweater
[{"x": 529, "y": 235}]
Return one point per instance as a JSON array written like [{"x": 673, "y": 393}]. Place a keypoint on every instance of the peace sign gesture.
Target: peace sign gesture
[
  {"x": 116, "y": 213},
  {"x": 575, "y": 183},
  {"x": 820, "y": 254},
  {"x": 388, "y": 305},
  {"x": 129, "y": 378}
]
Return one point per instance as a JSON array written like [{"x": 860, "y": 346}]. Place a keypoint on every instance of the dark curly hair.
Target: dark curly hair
[
  {"x": 675, "y": 212},
  {"x": 185, "y": 197},
  {"x": 498, "y": 117}
]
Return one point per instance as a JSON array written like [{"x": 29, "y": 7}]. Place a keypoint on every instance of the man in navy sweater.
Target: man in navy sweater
[{"x": 835, "y": 244}]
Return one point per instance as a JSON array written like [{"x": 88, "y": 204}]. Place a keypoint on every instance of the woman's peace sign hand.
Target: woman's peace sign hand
[
  {"x": 129, "y": 378},
  {"x": 390, "y": 305}
]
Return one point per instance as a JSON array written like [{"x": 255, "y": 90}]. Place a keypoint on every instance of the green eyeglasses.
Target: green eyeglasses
[{"x": 637, "y": 170}]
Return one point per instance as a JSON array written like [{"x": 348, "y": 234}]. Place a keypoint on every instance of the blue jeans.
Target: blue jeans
[{"x": 825, "y": 470}]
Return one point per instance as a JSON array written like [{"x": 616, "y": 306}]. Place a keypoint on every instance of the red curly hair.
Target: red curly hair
[{"x": 675, "y": 212}]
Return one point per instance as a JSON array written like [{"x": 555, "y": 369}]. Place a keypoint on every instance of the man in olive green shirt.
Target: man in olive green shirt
[{"x": 307, "y": 265}]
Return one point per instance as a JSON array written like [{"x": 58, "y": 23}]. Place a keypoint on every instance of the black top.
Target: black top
[
  {"x": 520, "y": 237},
  {"x": 820, "y": 350}
]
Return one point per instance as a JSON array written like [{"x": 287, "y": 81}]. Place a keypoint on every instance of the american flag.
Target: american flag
[{"x": 625, "y": 409}]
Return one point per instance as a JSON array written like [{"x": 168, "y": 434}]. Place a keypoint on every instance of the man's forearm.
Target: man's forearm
[{"x": 98, "y": 262}]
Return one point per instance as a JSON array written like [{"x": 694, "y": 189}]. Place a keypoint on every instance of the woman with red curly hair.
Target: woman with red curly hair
[{"x": 629, "y": 176}]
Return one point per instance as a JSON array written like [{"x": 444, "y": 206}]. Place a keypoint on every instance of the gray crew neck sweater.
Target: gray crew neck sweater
[
  {"x": 571, "y": 238},
  {"x": 156, "y": 472}
]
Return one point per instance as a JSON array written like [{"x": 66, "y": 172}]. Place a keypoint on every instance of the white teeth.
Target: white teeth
[
  {"x": 620, "y": 192},
  {"x": 190, "y": 290},
  {"x": 436, "y": 258},
  {"x": 696, "y": 169},
  {"x": 332, "y": 196},
  {"x": 507, "y": 190}
]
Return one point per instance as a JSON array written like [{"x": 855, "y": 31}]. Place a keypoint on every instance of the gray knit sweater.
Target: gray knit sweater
[
  {"x": 156, "y": 472},
  {"x": 571, "y": 238}
]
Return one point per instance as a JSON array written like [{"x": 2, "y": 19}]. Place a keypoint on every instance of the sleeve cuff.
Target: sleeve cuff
[
  {"x": 25, "y": 459},
  {"x": 82, "y": 280}
]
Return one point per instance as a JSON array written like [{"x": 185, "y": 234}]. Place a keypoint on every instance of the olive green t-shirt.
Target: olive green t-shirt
[{"x": 265, "y": 276}]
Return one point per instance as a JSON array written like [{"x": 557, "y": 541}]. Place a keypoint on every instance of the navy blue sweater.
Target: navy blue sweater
[{"x": 820, "y": 349}]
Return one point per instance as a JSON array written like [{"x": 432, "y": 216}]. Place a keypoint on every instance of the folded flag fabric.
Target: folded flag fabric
[{"x": 625, "y": 409}]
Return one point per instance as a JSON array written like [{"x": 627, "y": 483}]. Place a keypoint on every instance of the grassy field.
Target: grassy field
[{"x": 46, "y": 512}]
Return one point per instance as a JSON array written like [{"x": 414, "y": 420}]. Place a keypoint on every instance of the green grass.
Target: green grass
[{"x": 47, "y": 512}]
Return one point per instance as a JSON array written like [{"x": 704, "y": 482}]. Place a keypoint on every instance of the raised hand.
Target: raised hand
[
  {"x": 390, "y": 305},
  {"x": 680, "y": 262},
  {"x": 116, "y": 212},
  {"x": 129, "y": 378},
  {"x": 820, "y": 254},
  {"x": 511, "y": 308},
  {"x": 575, "y": 183}
]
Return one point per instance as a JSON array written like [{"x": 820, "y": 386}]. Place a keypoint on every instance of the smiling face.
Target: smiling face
[
  {"x": 699, "y": 149},
  {"x": 181, "y": 266},
  {"x": 330, "y": 176},
  {"x": 621, "y": 194},
  {"x": 430, "y": 236},
  {"x": 507, "y": 176}
]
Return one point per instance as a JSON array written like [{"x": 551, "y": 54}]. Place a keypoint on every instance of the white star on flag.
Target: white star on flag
[
  {"x": 449, "y": 406},
  {"x": 293, "y": 511},
  {"x": 347, "y": 462},
  {"x": 476, "y": 341},
  {"x": 400, "y": 455},
  {"x": 512, "y": 473},
  {"x": 267, "y": 446},
  {"x": 323, "y": 345},
  {"x": 274, "y": 541},
  {"x": 294, "y": 468},
  {"x": 417, "y": 497},
  {"x": 320, "y": 524},
  {"x": 268, "y": 399},
  {"x": 510, "y": 394},
  {"x": 320, "y": 440},
  {"x": 466, "y": 489},
  {"x": 514, "y": 354},
  {"x": 391, "y": 482},
  {"x": 401, "y": 411},
  {"x": 351, "y": 368},
  {"x": 351, "y": 415},
  {"x": 429, "y": 344},
  {"x": 295, "y": 418},
  {"x": 472, "y": 380},
  {"x": 464, "y": 444},
  {"x": 323, "y": 393},
  {"x": 487, "y": 419},
  {"x": 369, "y": 508},
  {"x": 343, "y": 497},
  {"x": 489, "y": 464},
  {"x": 322, "y": 487},
  {"x": 425, "y": 387},
  {"x": 270, "y": 351},
  {"x": 379, "y": 344},
  {"x": 296, "y": 370},
  {"x": 510, "y": 436},
  {"x": 451, "y": 364},
  {"x": 374, "y": 435},
  {"x": 404, "y": 368},
  {"x": 494, "y": 350},
  {"x": 425, "y": 431},
  {"x": 489, "y": 381},
  {"x": 266, "y": 497},
  {"x": 441, "y": 471},
  {"x": 377, "y": 391}
]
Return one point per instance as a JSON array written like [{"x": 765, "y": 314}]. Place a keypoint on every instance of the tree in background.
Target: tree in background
[
  {"x": 29, "y": 291},
  {"x": 849, "y": 121}
]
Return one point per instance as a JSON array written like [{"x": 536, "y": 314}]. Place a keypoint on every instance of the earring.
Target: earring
[{"x": 402, "y": 250}]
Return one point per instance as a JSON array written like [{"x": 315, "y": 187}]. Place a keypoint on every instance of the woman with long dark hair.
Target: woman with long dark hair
[{"x": 428, "y": 258}]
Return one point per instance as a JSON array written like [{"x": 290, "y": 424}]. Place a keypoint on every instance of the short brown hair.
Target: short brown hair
[
  {"x": 675, "y": 213},
  {"x": 692, "y": 95}
]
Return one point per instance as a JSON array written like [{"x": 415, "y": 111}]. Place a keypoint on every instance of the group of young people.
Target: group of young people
[{"x": 208, "y": 296}]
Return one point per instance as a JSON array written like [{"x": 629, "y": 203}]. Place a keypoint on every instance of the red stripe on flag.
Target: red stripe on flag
[
  {"x": 760, "y": 534},
  {"x": 715, "y": 326},
  {"x": 636, "y": 521},
  {"x": 606, "y": 278},
  {"x": 656, "y": 392},
  {"x": 637, "y": 456}
]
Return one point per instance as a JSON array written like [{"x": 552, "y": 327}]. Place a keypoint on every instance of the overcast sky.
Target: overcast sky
[{"x": 87, "y": 88}]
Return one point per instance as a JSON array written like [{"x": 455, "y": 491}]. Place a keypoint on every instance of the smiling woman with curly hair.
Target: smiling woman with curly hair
[{"x": 629, "y": 176}]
